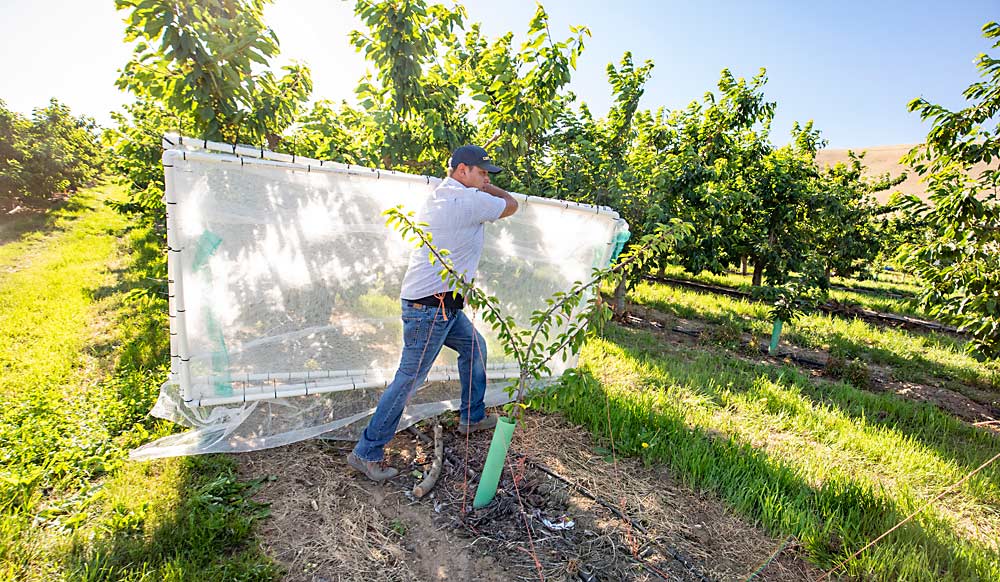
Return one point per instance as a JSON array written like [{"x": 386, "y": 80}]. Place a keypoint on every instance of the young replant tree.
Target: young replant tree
[
  {"x": 795, "y": 296},
  {"x": 533, "y": 348}
]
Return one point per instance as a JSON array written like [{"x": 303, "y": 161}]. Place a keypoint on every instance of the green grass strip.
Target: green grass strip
[
  {"x": 85, "y": 348},
  {"x": 873, "y": 295},
  {"x": 832, "y": 465},
  {"x": 914, "y": 357}
]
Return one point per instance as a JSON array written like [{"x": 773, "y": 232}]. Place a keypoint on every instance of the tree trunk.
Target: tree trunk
[
  {"x": 743, "y": 266},
  {"x": 618, "y": 306},
  {"x": 758, "y": 273}
]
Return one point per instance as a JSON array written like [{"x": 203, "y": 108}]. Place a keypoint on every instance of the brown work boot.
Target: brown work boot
[
  {"x": 372, "y": 469},
  {"x": 488, "y": 422}
]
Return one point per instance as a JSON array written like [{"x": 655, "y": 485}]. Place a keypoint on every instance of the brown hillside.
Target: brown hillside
[{"x": 879, "y": 160}]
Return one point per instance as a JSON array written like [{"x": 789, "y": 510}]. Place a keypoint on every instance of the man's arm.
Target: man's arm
[{"x": 501, "y": 193}]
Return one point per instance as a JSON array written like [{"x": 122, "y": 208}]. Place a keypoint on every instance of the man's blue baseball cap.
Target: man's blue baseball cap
[{"x": 471, "y": 155}]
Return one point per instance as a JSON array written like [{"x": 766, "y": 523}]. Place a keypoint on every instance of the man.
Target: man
[{"x": 432, "y": 313}]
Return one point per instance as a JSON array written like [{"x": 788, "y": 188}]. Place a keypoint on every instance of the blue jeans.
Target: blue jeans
[{"x": 425, "y": 331}]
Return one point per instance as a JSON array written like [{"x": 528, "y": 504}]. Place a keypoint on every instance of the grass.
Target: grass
[
  {"x": 85, "y": 350},
  {"x": 833, "y": 465},
  {"x": 878, "y": 296},
  {"x": 913, "y": 357}
]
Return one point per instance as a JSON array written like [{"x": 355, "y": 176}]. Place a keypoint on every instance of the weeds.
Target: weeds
[
  {"x": 87, "y": 354},
  {"x": 853, "y": 372}
]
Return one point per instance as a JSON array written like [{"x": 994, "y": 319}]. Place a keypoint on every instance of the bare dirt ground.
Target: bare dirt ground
[{"x": 558, "y": 515}]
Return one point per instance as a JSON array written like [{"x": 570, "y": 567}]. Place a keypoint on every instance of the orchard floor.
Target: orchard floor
[{"x": 329, "y": 523}]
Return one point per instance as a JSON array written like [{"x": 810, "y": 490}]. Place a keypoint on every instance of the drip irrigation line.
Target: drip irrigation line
[
  {"x": 586, "y": 493},
  {"x": 909, "y": 517},
  {"x": 807, "y": 362},
  {"x": 770, "y": 558},
  {"x": 666, "y": 549},
  {"x": 683, "y": 561},
  {"x": 872, "y": 292},
  {"x": 614, "y": 459},
  {"x": 670, "y": 550},
  {"x": 832, "y": 308}
]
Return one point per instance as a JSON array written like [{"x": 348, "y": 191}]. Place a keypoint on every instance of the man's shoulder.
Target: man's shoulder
[{"x": 451, "y": 185}]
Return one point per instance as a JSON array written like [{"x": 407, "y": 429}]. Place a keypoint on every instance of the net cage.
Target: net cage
[{"x": 284, "y": 294}]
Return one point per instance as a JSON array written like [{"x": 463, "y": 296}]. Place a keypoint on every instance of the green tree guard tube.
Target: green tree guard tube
[
  {"x": 487, "y": 489},
  {"x": 775, "y": 335}
]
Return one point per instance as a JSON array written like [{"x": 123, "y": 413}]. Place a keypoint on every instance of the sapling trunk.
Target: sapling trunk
[{"x": 618, "y": 306}]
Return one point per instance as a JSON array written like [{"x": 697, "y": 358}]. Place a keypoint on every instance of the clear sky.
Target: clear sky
[{"x": 850, "y": 66}]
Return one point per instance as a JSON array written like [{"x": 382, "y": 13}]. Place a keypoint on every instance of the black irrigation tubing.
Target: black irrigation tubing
[
  {"x": 861, "y": 289},
  {"x": 650, "y": 543},
  {"x": 870, "y": 291},
  {"x": 831, "y": 308},
  {"x": 807, "y": 362}
]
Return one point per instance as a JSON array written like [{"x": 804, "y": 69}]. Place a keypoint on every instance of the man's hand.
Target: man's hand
[{"x": 501, "y": 193}]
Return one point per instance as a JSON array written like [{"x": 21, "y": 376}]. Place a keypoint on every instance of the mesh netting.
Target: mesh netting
[{"x": 284, "y": 293}]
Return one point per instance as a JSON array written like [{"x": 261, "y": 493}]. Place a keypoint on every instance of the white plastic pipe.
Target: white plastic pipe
[
  {"x": 307, "y": 388},
  {"x": 182, "y": 355},
  {"x": 197, "y": 149}
]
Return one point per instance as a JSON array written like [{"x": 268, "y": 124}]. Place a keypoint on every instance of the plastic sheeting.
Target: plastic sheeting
[{"x": 284, "y": 294}]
